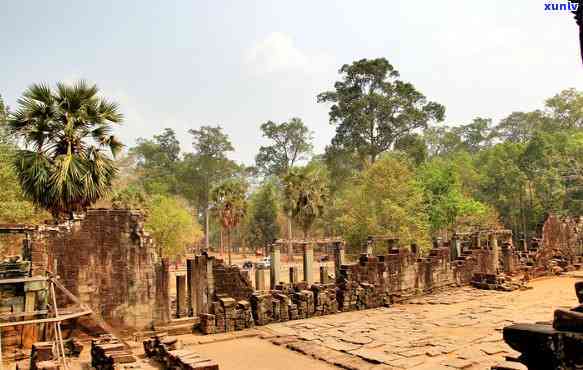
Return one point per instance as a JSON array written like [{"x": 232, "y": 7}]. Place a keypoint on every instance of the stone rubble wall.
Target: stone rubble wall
[
  {"x": 372, "y": 282},
  {"x": 107, "y": 261}
]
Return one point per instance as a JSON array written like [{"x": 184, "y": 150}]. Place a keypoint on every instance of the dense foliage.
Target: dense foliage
[{"x": 392, "y": 168}]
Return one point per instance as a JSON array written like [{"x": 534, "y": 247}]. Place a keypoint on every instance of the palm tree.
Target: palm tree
[
  {"x": 63, "y": 166},
  {"x": 230, "y": 204},
  {"x": 306, "y": 194}
]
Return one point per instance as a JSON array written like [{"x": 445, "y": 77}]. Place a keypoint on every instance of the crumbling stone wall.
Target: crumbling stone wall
[
  {"x": 108, "y": 261},
  {"x": 231, "y": 281},
  {"x": 561, "y": 237}
]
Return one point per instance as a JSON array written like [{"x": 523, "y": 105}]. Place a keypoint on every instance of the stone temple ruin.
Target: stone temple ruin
[{"x": 110, "y": 278}]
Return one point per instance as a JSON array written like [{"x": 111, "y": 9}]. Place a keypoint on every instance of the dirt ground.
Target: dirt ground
[{"x": 257, "y": 354}]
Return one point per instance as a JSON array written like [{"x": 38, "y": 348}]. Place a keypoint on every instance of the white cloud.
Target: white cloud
[{"x": 278, "y": 53}]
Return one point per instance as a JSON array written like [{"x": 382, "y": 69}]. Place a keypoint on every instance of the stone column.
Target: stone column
[
  {"x": 192, "y": 286},
  {"x": 260, "y": 279},
  {"x": 456, "y": 249},
  {"x": 162, "y": 300},
  {"x": 308, "y": 263},
  {"x": 210, "y": 283},
  {"x": 369, "y": 247},
  {"x": 507, "y": 258},
  {"x": 323, "y": 274},
  {"x": 293, "y": 275},
  {"x": 495, "y": 252},
  {"x": 339, "y": 251},
  {"x": 275, "y": 265},
  {"x": 392, "y": 244},
  {"x": 181, "y": 296}
]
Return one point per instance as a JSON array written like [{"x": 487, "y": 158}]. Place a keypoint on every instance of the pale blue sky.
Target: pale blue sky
[{"x": 183, "y": 64}]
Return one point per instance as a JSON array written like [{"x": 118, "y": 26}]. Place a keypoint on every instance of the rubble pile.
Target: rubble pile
[
  {"x": 325, "y": 299},
  {"x": 108, "y": 352},
  {"x": 227, "y": 315},
  {"x": 499, "y": 282},
  {"x": 41, "y": 356},
  {"x": 304, "y": 300},
  {"x": 169, "y": 353},
  {"x": 262, "y": 308}
]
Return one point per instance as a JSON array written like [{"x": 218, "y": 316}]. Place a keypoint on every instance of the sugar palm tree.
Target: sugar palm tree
[
  {"x": 66, "y": 135},
  {"x": 306, "y": 193},
  {"x": 230, "y": 204}
]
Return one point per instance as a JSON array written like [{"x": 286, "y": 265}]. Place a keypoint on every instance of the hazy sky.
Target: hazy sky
[{"x": 183, "y": 64}]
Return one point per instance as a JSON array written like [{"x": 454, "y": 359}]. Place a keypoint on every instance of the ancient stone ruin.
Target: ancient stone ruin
[{"x": 109, "y": 270}]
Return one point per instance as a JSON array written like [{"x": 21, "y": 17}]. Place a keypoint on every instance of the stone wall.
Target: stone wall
[
  {"x": 374, "y": 281},
  {"x": 561, "y": 236},
  {"x": 231, "y": 281},
  {"x": 109, "y": 262}
]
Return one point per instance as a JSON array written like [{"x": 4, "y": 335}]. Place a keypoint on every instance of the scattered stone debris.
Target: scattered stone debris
[
  {"x": 108, "y": 352},
  {"x": 500, "y": 282},
  {"x": 168, "y": 352}
]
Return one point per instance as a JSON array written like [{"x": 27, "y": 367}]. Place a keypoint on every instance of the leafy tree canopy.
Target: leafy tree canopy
[
  {"x": 291, "y": 143},
  {"x": 373, "y": 108},
  {"x": 67, "y": 134}
]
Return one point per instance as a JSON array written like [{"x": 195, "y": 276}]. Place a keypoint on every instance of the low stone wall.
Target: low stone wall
[{"x": 374, "y": 281}]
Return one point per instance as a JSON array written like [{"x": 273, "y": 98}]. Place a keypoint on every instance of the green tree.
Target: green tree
[
  {"x": 414, "y": 146},
  {"x": 476, "y": 135},
  {"x": 262, "y": 227},
  {"x": 306, "y": 193},
  {"x": 292, "y": 142},
  {"x": 171, "y": 225},
  {"x": 385, "y": 199},
  {"x": 442, "y": 141},
  {"x": 64, "y": 166},
  {"x": 208, "y": 166},
  {"x": 157, "y": 162},
  {"x": 566, "y": 110},
  {"x": 449, "y": 206},
  {"x": 230, "y": 203},
  {"x": 519, "y": 127},
  {"x": 373, "y": 108}
]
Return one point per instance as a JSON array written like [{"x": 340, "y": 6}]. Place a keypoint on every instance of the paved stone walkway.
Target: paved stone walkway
[{"x": 458, "y": 329}]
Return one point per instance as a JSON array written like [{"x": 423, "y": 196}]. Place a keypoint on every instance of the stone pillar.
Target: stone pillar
[
  {"x": 415, "y": 249},
  {"x": 293, "y": 275},
  {"x": 210, "y": 283},
  {"x": 495, "y": 253},
  {"x": 339, "y": 251},
  {"x": 392, "y": 244},
  {"x": 181, "y": 296},
  {"x": 162, "y": 299},
  {"x": 275, "y": 265},
  {"x": 507, "y": 258},
  {"x": 455, "y": 248},
  {"x": 308, "y": 263},
  {"x": 192, "y": 286},
  {"x": 324, "y": 274},
  {"x": 260, "y": 279},
  {"x": 368, "y": 247}
]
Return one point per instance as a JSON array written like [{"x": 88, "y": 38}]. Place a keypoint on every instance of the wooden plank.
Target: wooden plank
[
  {"x": 23, "y": 280},
  {"x": 52, "y": 319}
]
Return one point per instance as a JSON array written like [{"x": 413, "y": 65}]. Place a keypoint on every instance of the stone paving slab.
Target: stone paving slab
[{"x": 458, "y": 329}]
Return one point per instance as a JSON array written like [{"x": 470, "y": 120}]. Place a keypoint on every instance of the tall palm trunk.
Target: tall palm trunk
[
  {"x": 229, "y": 246},
  {"x": 206, "y": 228},
  {"x": 290, "y": 246}
]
